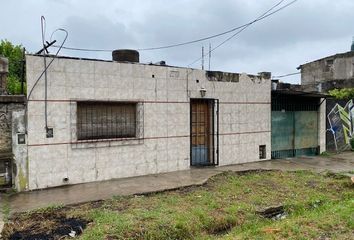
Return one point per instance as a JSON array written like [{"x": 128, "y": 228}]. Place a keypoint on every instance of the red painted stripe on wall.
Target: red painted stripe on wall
[
  {"x": 137, "y": 139},
  {"x": 226, "y": 134},
  {"x": 147, "y": 101},
  {"x": 245, "y": 102}
]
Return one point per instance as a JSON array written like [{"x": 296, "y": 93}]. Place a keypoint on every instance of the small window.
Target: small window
[
  {"x": 106, "y": 120},
  {"x": 262, "y": 152},
  {"x": 329, "y": 65},
  {"x": 329, "y": 62}
]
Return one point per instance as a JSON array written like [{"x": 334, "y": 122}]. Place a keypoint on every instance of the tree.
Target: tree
[
  {"x": 14, "y": 53},
  {"x": 344, "y": 93}
]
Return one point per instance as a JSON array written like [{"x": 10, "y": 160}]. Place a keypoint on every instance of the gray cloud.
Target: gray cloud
[{"x": 303, "y": 32}]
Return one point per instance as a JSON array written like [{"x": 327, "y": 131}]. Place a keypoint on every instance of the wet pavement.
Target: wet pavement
[{"x": 80, "y": 193}]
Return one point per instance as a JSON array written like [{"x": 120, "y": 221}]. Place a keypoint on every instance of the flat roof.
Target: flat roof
[
  {"x": 300, "y": 93},
  {"x": 139, "y": 63},
  {"x": 338, "y": 55}
]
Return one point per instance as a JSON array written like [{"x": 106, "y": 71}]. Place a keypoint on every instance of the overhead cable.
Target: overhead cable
[
  {"x": 287, "y": 75},
  {"x": 263, "y": 16},
  {"x": 50, "y": 63},
  {"x": 268, "y": 13}
]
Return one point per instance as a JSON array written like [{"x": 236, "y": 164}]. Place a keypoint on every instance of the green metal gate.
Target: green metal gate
[
  {"x": 294, "y": 127},
  {"x": 294, "y": 134}
]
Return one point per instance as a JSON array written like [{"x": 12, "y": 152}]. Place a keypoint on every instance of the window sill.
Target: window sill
[{"x": 110, "y": 142}]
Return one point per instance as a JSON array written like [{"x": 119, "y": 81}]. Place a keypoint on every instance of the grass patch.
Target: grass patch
[
  {"x": 327, "y": 154},
  {"x": 317, "y": 206}
]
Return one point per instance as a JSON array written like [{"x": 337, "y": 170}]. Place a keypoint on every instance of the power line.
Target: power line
[
  {"x": 286, "y": 75},
  {"x": 206, "y": 38},
  {"x": 266, "y": 14},
  {"x": 84, "y": 49},
  {"x": 187, "y": 42},
  {"x": 50, "y": 63}
]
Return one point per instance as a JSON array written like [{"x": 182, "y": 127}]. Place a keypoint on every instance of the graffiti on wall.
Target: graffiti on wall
[{"x": 341, "y": 120}]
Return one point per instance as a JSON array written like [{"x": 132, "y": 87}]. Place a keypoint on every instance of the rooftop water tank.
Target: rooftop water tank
[{"x": 125, "y": 55}]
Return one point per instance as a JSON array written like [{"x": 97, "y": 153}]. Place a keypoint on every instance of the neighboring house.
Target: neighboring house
[
  {"x": 322, "y": 75},
  {"x": 116, "y": 119},
  {"x": 8, "y": 104}
]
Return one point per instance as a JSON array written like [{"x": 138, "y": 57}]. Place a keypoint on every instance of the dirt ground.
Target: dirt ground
[
  {"x": 49, "y": 224},
  {"x": 243, "y": 205}
]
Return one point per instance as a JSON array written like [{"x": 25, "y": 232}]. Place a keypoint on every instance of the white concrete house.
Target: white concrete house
[{"x": 98, "y": 120}]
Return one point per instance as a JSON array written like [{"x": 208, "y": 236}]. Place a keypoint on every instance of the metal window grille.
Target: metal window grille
[
  {"x": 294, "y": 103},
  {"x": 106, "y": 120}
]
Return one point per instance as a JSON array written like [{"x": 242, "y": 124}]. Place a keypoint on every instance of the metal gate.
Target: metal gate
[
  {"x": 294, "y": 126},
  {"x": 294, "y": 134},
  {"x": 204, "y": 127}
]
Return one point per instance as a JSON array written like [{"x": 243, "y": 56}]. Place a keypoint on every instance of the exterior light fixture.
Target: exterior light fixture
[{"x": 203, "y": 92}]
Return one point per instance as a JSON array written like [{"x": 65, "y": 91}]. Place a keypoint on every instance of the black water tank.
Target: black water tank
[{"x": 125, "y": 55}]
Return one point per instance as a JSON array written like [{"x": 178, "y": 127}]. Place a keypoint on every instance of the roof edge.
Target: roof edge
[{"x": 337, "y": 55}]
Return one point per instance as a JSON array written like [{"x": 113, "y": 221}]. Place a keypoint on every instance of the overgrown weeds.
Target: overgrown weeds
[{"x": 224, "y": 208}]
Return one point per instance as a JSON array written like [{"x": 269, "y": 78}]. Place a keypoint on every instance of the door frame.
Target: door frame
[{"x": 213, "y": 108}]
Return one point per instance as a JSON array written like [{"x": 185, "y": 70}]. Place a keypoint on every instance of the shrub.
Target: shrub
[{"x": 344, "y": 93}]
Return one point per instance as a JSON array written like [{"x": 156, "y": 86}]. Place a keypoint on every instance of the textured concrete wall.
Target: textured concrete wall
[
  {"x": 164, "y": 94},
  {"x": 328, "y": 69},
  {"x": 20, "y": 164},
  {"x": 322, "y": 118},
  {"x": 4, "y": 69},
  {"x": 324, "y": 87},
  {"x": 5, "y": 126},
  {"x": 8, "y": 104}
]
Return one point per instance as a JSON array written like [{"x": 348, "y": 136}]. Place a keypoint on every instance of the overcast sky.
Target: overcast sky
[{"x": 305, "y": 31}]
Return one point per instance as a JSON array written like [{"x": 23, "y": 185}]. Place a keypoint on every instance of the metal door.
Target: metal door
[
  {"x": 283, "y": 136},
  {"x": 204, "y": 132},
  {"x": 294, "y": 133},
  {"x": 306, "y": 133}
]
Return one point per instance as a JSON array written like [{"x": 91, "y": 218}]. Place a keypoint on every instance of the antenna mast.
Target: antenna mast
[
  {"x": 209, "y": 55},
  {"x": 202, "y": 57}
]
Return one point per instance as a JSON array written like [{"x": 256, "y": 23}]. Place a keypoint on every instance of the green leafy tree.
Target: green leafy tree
[
  {"x": 14, "y": 53},
  {"x": 344, "y": 93}
]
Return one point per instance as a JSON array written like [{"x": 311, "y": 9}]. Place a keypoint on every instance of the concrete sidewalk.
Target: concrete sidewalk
[{"x": 80, "y": 193}]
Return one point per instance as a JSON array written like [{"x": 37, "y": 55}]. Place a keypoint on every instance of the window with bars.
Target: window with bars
[{"x": 106, "y": 120}]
